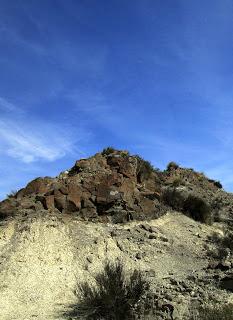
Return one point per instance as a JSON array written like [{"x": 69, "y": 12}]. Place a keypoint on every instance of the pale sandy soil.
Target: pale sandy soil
[{"x": 43, "y": 257}]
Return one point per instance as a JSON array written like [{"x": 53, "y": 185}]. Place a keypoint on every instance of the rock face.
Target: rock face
[
  {"x": 103, "y": 187},
  {"x": 113, "y": 187}
]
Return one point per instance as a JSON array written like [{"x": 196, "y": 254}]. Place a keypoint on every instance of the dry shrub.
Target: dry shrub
[
  {"x": 144, "y": 168},
  {"x": 115, "y": 296},
  {"x": 198, "y": 209},
  {"x": 107, "y": 151},
  {"x": 172, "y": 166},
  {"x": 193, "y": 206},
  {"x": 173, "y": 198},
  {"x": 217, "y": 312}
]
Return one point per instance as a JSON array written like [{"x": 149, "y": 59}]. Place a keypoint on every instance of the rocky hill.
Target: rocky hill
[{"x": 173, "y": 225}]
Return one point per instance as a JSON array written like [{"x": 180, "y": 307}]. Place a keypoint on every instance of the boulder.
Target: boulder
[
  {"x": 49, "y": 202},
  {"x": 122, "y": 165},
  {"x": 8, "y": 208},
  {"x": 39, "y": 185}
]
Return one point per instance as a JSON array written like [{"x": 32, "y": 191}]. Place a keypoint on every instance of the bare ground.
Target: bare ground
[{"x": 43, "y": 257}]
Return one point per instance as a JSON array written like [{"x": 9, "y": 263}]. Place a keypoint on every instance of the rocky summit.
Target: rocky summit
[{"x": 175, "y": 226}]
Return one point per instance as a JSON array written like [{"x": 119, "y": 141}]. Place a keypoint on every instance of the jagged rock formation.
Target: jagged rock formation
[
  {"x": 57, "y": 231},
  {"x": 114, "y": 187},
  {"x": 104, "y": 188}
]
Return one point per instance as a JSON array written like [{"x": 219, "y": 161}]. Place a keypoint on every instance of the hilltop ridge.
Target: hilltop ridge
[{"x": 114, "y": 186}]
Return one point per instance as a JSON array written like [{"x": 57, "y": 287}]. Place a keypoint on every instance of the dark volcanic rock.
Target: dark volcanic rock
[{"x": 108, "y": 187}]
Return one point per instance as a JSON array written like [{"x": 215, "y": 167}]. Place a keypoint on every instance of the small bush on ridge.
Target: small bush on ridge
[
  {"x": 108, "y": 150},
  {"x": 198, "y": 209},
  {"x": 173, "y": 198},
  {"x": 12, "y": 194},
  {"x": 144, "y": 168},
  {"x": 216, "y": 183},
  {"x": 176, "y": 182},
  {"x": 172, "y": 166},
  {"x": 113, "y": 298},
  {"x": 193, "y": 206}
]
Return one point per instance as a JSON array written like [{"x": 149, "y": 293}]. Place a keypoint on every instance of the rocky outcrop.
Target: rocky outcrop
[
  {"x": 111, "y": 187},
  {"x": 103, "y": 188}
]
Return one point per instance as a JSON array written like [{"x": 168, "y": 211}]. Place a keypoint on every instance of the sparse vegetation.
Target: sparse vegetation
[
  {"x": 144, "y": 168},
  {"x": 172, "y": 166},
  {"x": 223, "y": 245},
  {"x": 227, "y": 241},
  {"x": 193, "y": 206},
  {"x": 216, "y": 312},
  {"x": 198, "y": 209},
  {"x": 12, "y": 194},
  {"x": 173, "y": 198},
  {"x": 115, "y": 296},
  {"x": 216, "y": 183},
  {"x": 107, "y": 151},
  {"x": 176, "y": 182}
]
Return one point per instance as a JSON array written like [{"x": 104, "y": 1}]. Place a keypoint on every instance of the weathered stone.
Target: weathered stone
[
  {"x": 49, "y": 200},
  {"x": 89, "y": 212},
  {"x": 39, "y": 185},
  {"x": 107, "y": 194},
  {"x": 90, "y": 258},
  {"x": 7, "y": 207},
  {"x": 152, "y": 236},
  {"x": 123, "y": 165},
  {"x": 108, "y": 183},
  {"x": 60, "y": 202},
  {"x": 64, "y": 190},
  {"x": 74, "y": 200},
  {"x": 41, "y": 199},
  {"x": 138, "y": 256},
  {"x": 27, "y": 203}
]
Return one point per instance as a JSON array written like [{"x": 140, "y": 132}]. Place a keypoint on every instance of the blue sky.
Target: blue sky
[{"x": 153, "y": 77}]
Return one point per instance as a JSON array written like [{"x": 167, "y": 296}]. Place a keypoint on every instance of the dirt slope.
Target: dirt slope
[{"x": 43, "y": 257}]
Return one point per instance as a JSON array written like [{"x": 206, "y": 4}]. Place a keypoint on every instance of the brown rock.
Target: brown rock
[
  {"x": 122, "y": 165},
  {"x": 7, "y": 208},
  {"x": 49, "y": 201},
  {"x": 60, "y": 202},
  {"x": 128, "y": 191},
  {"x": 89, "y": 212},
  {"x": 64, "y": 190},
  {"x": 106, "y": 193},
  {"x": 27, "y": 203},
  {"x": 39, "y": 185}
]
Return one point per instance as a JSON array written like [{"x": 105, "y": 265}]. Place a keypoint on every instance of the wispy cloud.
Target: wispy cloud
[
  {"x": 30, "y": 140},
  {"x": 29, "y": 145},
  {"x": 7, "y": 106}
]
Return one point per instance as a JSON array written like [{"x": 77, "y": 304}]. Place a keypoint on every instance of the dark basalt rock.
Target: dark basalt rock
[{"x": 106, "y": 187}]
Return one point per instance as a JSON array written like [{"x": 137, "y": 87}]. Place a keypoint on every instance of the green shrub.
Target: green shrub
[
  {"x": 173, "y": 198},
  {"x": 107, "y": 151},
  {"x": 114, "y": 297},
  {"x": 176, "y": 182},
  {"x": 227, "y": 241},
  {"x": 217, "y": 312},
  {"x": 144, "y": 168},
  {"x": 12, "y": 194},
  {"x": 172, "y": 166},
  {"x": 216, "y": 183},
  {"x": 198, "y": 209},
  {"x": 193, "y": 206}
]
